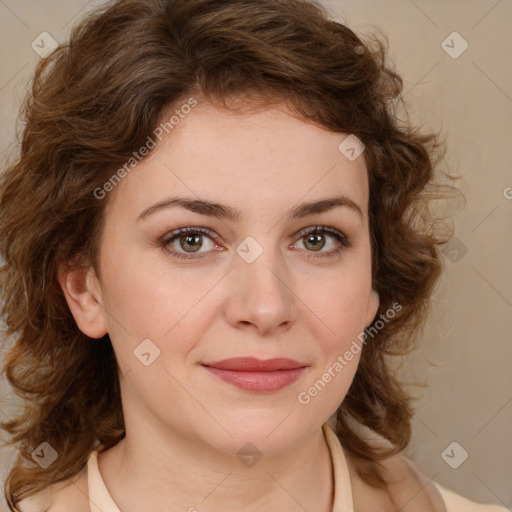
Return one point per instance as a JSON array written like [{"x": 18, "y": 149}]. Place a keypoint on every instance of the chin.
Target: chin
[{"x": 267, "y": 432}]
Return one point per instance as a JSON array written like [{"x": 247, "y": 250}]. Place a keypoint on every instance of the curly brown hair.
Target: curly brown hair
[{"x": 98, "y": 98}]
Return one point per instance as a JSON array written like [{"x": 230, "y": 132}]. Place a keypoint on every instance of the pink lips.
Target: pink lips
[{"x": 254, "y": 374}]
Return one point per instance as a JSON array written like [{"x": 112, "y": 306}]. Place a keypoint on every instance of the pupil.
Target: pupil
[
  {"x": 191, "y": 240},
  {"x": 315, "y": 240}
]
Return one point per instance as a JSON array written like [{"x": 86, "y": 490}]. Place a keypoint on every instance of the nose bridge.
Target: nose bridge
[
  {"x": 262, "y": 266},
  {"x": 262, "y": 283}
]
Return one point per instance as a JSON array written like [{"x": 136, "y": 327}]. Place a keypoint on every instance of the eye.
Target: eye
[
  {"x": 187, "y": 239},
  {"x": 313, "y": 240},
  {"x": 185, "y": 243}
]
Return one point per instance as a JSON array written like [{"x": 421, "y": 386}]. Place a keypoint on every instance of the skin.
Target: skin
[{"x": 185, "y": 426}]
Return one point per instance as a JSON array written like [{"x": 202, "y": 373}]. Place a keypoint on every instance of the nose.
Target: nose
[{"x": 261, "y": 295}]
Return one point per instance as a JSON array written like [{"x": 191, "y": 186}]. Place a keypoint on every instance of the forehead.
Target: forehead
[{"x": 266, "y": 157}]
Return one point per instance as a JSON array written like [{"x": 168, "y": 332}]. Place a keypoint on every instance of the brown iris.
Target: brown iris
[{"x": 316, "y": 240}]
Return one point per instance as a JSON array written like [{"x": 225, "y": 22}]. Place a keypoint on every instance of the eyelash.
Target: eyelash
[{"x": 338, "y": 235}]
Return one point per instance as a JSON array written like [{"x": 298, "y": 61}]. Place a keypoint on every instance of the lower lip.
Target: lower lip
[{"x": 258, "y": 381}]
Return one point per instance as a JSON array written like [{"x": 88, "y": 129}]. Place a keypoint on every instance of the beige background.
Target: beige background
[{"x": 469, "y": 395}]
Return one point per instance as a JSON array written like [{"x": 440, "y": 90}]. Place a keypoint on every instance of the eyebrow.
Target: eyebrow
[{"x": 221, "y": 211}]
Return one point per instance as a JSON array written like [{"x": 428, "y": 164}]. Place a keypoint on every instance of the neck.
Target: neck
[{"x": 180, "y": 473}]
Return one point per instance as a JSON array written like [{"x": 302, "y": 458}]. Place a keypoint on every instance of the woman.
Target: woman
[{"x": 215, "y": 236}]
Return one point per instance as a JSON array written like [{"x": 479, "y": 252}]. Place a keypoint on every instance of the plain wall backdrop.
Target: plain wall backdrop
[{"x": 455, "y": 58}]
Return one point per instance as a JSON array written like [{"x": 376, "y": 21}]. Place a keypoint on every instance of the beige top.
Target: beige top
[{"x": 100, "y": 499}]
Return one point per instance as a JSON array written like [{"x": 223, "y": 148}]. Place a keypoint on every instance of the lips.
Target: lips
[
  {"x": 252, "y": 374},
  {"x": 252, "y": 364}
]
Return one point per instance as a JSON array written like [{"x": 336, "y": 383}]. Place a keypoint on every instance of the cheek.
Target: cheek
[
  {"x": 339, "y": 307},
  {"x": 338, "y": 331},
  {"x": 148, "y": 302},
  {"x": 146, "y": 297}
]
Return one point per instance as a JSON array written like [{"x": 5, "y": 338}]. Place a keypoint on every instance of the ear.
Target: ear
[
  {"x": 82, "y": 291},
  {"x": 373, "y": 306}
]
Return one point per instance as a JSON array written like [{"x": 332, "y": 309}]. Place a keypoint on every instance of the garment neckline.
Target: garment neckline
[{"x": 100, "y": 499}]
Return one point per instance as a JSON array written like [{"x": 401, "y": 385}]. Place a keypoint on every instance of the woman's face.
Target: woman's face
[{"x": 253, "y": 285}]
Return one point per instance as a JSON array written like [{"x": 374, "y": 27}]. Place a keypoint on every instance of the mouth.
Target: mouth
[{"x": 253, "y": 374}]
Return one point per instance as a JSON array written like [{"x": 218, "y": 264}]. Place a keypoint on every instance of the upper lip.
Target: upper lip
[{"x": 252, "y": 364}]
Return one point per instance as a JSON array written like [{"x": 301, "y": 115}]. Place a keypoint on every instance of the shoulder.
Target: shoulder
[
  {"x": 71, "y": 495},
  {"x": 410, "y": 480},
  {"x": 409, "y": 489},
  {"x": 455, "y": 503},
  {"x": 405, "y": 490}
]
